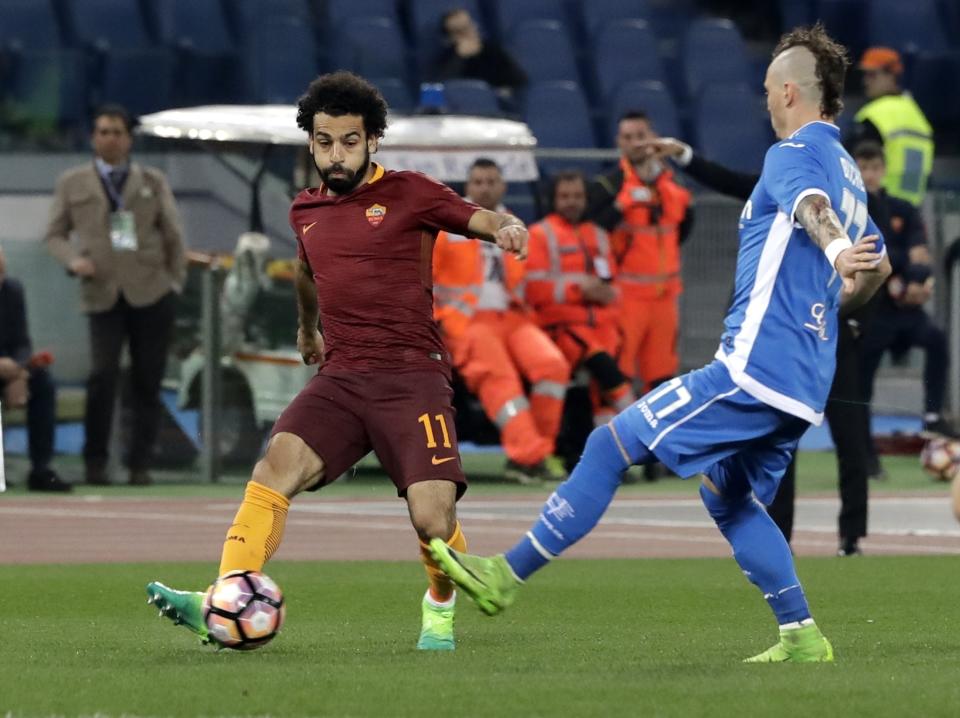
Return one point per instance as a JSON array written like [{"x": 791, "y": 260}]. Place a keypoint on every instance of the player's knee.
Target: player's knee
[
  {"x": 289, "y": 466},
  {"x": 438, "y": 523}
]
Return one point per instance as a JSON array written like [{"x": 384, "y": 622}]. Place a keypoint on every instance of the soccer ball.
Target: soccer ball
[
  {"x": 940, "y": 458},
  {"x": 243, "y": 610}
]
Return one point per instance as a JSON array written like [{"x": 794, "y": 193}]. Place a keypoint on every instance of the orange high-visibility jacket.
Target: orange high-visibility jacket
[
  {"x": 647, "y": 241},
  {"x": 560, "y": 255},
  {"x": 458, "y": 279}
]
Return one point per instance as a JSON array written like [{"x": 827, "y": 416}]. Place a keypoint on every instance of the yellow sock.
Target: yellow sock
[
  {"x": 256, "y": 531},
  {"x": 441, "y": 587}
]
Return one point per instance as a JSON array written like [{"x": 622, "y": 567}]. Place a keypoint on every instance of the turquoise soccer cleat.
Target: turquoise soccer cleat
[
  {"x": 488, "y": 581},
  {"x": 436, "y": 627},
  {"x": 797, "y": 645},
  {"x": 184, "y": 608}
]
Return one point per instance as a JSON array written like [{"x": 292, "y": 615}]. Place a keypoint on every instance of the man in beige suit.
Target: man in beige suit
[{"x": 114, "y": 225}]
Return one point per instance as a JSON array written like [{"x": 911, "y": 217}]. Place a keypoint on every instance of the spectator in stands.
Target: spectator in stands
[
  {"x": 893, "y": 119},
  {"x": 569, "y": 285},
  {"x": 26, "y": 382},
  {"x": 469, "y": 56},
  {"x": 899, "y": 321},
  {"x": 847, "y": 416},
  {"x": 495, "y": 343},
  {"x": 114, "y": 225},
  {"x": 648, "y": 215}
]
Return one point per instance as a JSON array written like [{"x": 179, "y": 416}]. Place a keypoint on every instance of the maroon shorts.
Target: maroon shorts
[{"x": 405, "y": 418}]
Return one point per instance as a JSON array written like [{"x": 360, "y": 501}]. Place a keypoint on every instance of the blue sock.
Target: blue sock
[
  {"x": 761, "y": 551},
  {"x": 576, "y": 506}
]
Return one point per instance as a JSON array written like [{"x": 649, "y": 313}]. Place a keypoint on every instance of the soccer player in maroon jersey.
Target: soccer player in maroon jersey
[{"x": 365, "y": 243}]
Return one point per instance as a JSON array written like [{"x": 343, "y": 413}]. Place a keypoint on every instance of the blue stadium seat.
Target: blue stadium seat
[
  {"x": 914, "y": 25},
  {"x": 794, "y": 13},
  {"x": 122, "y": 80},
  {"x": 625, "y": 51},
  {"x": 510, "y": 13},
  {"x": 653, "y": 98},
  {"x": 543, "y": 50},
  {"x": 713, "y": 53},
  {"x": 558, "y": 115},
  {"x": 47, "y": 89},
  {"x": 246, "y": 16},
  {"x": 28, "y": 25},
  {"x": 925, "y": 82},
  {"x": 397, "y": 94},
  {"x": 425, "y": 17},
  {"x": 471, "y": 97},
  {"x": 108, "y": 24},
  {"x": 732, "y": 127},
  {"x": 340, "y": 10},
  {"x": 280, "y": 59},
  {"x": 597, "y": 13},
  {"x": 846, "y": 21},
  {"x": 372, "y": 47}
]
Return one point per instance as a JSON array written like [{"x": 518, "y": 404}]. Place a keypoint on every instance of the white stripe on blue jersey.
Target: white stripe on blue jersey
[{"x": 780, "y": 339}]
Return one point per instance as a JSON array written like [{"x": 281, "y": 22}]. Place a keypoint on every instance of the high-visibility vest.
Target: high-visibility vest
[
  {"x": 560, "y": 256},
  {"x": 646, "y": 244},
  {"x": 907, "y": 144},
  {"x": 458, "y": 280}
]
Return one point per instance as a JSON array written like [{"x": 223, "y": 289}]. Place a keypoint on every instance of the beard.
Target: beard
[{"x": 346, "y": 182}]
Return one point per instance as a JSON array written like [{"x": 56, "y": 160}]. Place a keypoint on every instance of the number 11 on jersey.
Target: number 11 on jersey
[{"x": 428, "y": 430}]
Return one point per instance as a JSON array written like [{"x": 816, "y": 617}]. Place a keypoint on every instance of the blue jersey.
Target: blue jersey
[{"x": 779, "y": 344}]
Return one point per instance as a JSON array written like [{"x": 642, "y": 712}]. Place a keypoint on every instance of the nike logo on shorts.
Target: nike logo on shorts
[{"x": 436, "y": 462}]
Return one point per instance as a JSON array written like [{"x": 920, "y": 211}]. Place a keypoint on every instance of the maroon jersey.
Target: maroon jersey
[{"x": 371, "y": 255}]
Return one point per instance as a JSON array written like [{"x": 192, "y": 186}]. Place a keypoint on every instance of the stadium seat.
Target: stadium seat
[
  {"x": 714, "y": 53},
  {"x": 397, "y": 94},
  {"x": 845, "y": 21},
  {"x": 732, "y": 127},
  {"x": 246, "y": 16},
  {"x": 340, "y": 10},
  {"x": 597, "y": 13},
  {"x": 372, "y": 47},
  {"x": 280, "y": 59},
  {"x": 914, "y": 25},
  {"x": 425, "y": 17},
  {"x": 559, "y": 117},
  {"x": 794, "y": 13},
  {"x": 122, "y": 80},
  {"x": 625, "y": 50},
  {"x": 28, "y": 25},
  {"x": 653, "y": 98},
  {"x": 108, "y": 24},
  {"x": 925, "y": 82},
  {"x": 471, "y": 97},
  {"x": 510, "y": 13},
  {"x": 543, "y": 50},
  {"x": 47, "y": 89}
]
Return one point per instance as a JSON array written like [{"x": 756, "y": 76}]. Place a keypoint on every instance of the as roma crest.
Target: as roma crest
[{"x": 375, "y": 214}]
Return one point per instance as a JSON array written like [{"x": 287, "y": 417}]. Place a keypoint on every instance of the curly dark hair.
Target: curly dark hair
[
  {"x": 832, "y": 63},
  {"x": 343, "y": 93}
]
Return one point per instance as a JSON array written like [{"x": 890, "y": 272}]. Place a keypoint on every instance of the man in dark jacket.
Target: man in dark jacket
[
  {"x": 25, "y": 382},
  {"x": 469, "y": 56}
]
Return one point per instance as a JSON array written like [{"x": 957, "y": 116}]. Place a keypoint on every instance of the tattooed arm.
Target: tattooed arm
[{"x": 862, "y": 269}]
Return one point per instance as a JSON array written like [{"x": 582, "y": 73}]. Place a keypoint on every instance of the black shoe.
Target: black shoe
[
  {"x": 849, "y": 547},
  {"x": 525, "y": 475},
  {"x": 47, "y": 480},
  {"x": 140, "y": 477},
  {"x": 938, "y": 427},
  {"x": 96, "y": 475}
]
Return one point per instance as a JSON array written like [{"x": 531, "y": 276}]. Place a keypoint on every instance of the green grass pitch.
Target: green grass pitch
[{"x": 586, "y": 638}]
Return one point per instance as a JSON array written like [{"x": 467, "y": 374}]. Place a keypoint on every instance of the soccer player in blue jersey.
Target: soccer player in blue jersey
[{"x": 807, "y": 247}]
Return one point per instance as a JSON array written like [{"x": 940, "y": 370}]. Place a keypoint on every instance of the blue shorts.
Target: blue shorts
[{"x": 703, "y": 423}]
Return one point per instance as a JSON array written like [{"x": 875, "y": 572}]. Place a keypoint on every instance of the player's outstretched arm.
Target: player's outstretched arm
[
  {"x": 309, "y": 339},
  {"x": 504, "y": 230}
]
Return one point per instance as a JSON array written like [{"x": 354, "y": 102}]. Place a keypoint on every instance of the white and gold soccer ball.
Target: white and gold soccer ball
[
  {"x": 243, "y": 610},
  {"x": 940, "y": 457}
]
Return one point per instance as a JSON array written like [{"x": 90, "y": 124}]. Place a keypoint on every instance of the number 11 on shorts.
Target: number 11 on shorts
[{"x": 428, "y": 429}]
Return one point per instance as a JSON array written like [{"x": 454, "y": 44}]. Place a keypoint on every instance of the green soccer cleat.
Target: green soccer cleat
[
  {"x": 436, "y": 627},
  {"x": 797, "y": 645},
  {"x": 182, "y": 607},
  {"x": 554, "y": 469},
  {"x": 488, "y": 581}
]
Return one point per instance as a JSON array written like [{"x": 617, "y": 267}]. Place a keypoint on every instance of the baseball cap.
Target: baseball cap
[{"x": 882, "y": 58}]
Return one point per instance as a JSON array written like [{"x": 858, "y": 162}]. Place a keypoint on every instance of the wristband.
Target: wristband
[{"x": 833, "y": 250}]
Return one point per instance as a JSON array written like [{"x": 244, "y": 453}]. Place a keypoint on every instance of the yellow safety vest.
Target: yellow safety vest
[{"x": 907, "y": 144}]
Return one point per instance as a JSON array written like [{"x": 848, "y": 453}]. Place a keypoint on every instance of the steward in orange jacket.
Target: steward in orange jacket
[
  {"x": 648, "y": 215},
  {"x": 569, "y": 285},
  {"x": 495, "y": 343}
]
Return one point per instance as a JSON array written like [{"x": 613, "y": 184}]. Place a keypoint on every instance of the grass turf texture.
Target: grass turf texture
[{"x": 586, "y": 638}]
